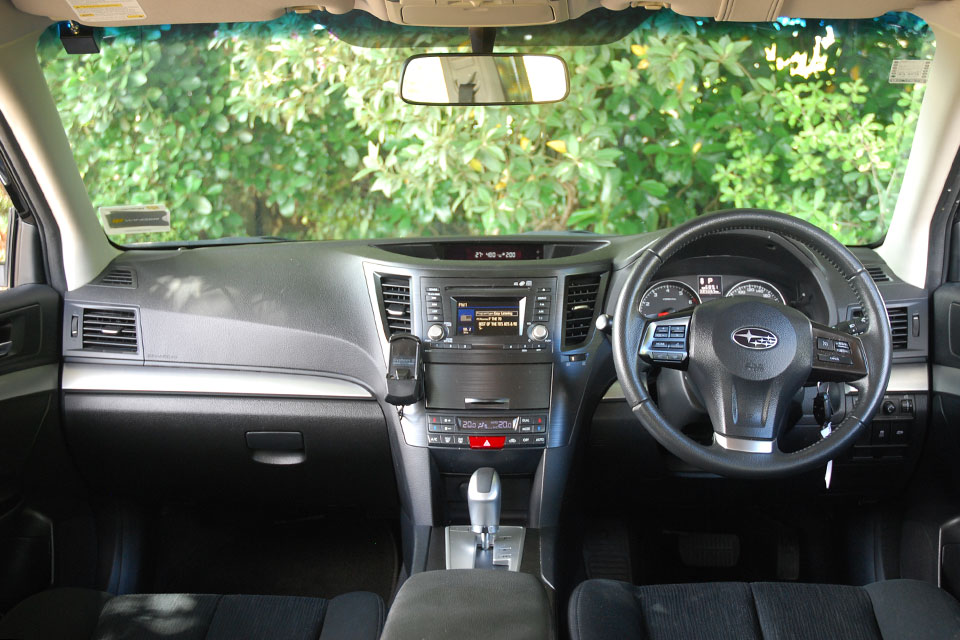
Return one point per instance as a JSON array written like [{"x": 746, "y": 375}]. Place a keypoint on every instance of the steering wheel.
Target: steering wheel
[{"x": 749, "y": 357}]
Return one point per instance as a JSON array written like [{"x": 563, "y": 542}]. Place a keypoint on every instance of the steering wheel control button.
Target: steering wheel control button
[
  {"x": 825, "y": 344},
  {"x": 665, "y": 341},
  {"x": 835, "y": 358}
]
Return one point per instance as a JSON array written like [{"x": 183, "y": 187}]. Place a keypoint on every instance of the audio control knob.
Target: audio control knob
[
  {"x": 538, "y": 332},
  {"x": 436, "y": 332}
]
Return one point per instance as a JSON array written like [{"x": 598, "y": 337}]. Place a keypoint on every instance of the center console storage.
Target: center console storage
[{"x": 470, "y": 604}]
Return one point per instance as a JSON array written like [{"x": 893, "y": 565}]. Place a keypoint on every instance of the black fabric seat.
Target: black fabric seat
[
  {"x": 68, "y": 614},
  {"x": 739, "y": 611}
]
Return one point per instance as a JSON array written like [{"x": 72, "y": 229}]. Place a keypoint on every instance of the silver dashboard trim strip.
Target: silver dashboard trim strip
[
  {"x": 909, "y": 377},
  {"x": 29, "y": 381},
  {"x": 615, "y": 392},
  {"x": 906, "y": 378},
  {"x": 150, "y": 379},
  {"x": 903, "y": 378}
]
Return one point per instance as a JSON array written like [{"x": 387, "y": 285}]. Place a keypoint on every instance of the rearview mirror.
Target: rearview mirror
[{"x": 489, "y": 79}]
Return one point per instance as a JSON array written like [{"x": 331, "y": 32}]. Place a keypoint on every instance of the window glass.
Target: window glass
[
  {"x": 284, "y": 129},
  {"x": 5, "y": 206}
]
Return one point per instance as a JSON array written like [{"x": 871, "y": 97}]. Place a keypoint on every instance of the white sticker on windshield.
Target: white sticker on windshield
[
  {"x": 135, "y": 218},
  {"x": 909, "y": 71},
  {"x": 117, "y": 11}
]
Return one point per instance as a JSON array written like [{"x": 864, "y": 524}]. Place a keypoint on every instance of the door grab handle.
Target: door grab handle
[{"x": 5, "y": 348}]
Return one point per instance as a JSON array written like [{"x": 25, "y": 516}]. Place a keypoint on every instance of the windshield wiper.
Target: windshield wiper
[{"x": 230, "y": 240}]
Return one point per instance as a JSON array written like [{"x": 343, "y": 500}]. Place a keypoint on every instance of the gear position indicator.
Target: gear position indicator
[{"x": 709, "y": 286}]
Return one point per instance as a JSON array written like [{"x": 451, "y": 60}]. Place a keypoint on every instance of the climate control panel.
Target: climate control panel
[{"x": 487, "y": 431}]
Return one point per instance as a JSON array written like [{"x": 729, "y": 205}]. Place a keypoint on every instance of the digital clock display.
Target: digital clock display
[
  {"x": 496, "y": 253},
  {"x": 473, "y": 251}
]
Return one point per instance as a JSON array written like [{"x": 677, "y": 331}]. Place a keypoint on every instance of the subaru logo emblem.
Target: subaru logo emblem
[{"x": 755, "y": 338}]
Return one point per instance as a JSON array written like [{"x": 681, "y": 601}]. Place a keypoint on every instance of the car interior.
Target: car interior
[{"x": 415, "y": 319}]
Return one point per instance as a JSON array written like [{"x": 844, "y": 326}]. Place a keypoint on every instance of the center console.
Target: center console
[
  {"x": 488, "y": 351},
  {"x": 505, "y": 356}
]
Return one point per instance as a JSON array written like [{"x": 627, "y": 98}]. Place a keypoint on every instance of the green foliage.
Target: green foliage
[{"x": 280, "y": 128}]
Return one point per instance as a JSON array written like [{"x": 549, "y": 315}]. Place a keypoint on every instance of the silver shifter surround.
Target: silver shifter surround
[{"x": 461, "y": 547}]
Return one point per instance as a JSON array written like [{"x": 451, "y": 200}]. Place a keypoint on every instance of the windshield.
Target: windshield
[{"x": 284, "y": 129}]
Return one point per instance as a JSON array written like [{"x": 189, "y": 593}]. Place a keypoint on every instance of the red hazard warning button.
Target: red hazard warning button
[{"x": 487, "y": 442}]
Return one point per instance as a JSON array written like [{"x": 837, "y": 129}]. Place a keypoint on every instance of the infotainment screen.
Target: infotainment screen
[{"x": 488, "y": 316}]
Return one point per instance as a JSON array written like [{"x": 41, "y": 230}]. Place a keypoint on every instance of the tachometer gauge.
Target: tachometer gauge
[
  {"x": 667, "y": 297},
  {"x": 757, "y": 289}
]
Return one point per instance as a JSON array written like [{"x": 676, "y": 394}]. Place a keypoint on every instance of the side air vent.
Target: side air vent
[
  {"x": 395, "y": 298},
  {"x": 111, "y": 330},
  {"x": 118, "y": 278},
  {"x": 899, "y": 318},
  {"x": 579, "y": 303},
  {"x": 899, "y": 326},
  {"x": 877, "y": 273}
]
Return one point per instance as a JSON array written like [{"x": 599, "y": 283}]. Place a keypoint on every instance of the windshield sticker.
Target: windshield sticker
[
  {"x": 909, "y": 71},
  {"x": 146, "y": 218},
  {"x": 118, "y": 11}
]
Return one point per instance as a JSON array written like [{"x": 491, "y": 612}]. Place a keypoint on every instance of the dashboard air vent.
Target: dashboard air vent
[
  {"x": 395, "y": 297},
  {"x": 899, "y": 326},
  {"x": 112, "y": 330},
  {"x": 899, "y": 318},
  {"x": 877, "y": 273},
  {"x": 118, "y": 278},
  {"x": 580, "y": 301}
]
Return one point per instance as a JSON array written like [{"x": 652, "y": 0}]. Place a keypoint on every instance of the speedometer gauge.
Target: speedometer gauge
[
  {"x": 667, "y": 297},
  {"x": 756, "y": 289}
]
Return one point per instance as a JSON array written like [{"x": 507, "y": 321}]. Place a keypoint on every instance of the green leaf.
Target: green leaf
[
  {"x": 199, "y": 204},
  {"x": 654, "y": 188}
]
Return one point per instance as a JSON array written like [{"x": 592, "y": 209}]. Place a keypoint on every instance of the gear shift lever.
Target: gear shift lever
[{"x": 483, "y": 500}]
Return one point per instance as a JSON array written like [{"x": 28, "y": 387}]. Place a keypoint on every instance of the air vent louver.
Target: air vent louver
[
  {"x": 395, "y": 296},
  {"x": 580, "y": 301},
  {"x": 899, "y": 326},
  {"x": 877, "y": 273},
  {"x": 112, "y": 330},
  {"x": 899, "y": 318}
]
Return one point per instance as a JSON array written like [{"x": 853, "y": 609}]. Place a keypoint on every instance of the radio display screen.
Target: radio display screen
[{"x": 488, "y": 317}]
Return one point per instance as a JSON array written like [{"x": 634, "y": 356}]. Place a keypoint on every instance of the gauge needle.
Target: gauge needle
[{"x": 664, "y": 313}]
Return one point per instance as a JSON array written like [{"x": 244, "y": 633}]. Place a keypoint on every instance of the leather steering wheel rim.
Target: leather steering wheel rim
[{"x": 629, "y": 327}]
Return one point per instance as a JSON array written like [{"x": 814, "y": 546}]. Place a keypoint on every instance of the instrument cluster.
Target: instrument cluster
[{"x": 669, "y": 296}]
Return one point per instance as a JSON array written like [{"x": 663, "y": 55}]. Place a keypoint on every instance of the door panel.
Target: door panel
[{"x": 29, "y": 382}]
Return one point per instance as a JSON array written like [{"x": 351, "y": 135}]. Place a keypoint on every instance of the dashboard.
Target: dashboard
[{"x": 514, "y": 368}]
